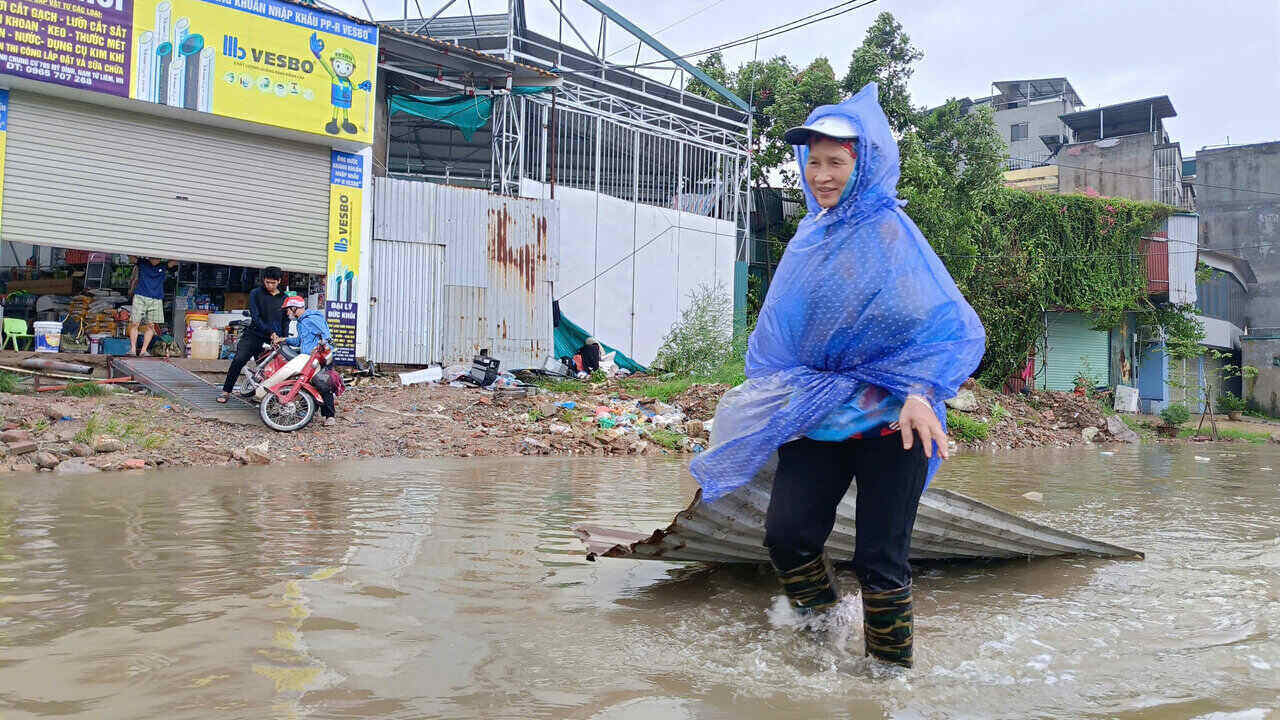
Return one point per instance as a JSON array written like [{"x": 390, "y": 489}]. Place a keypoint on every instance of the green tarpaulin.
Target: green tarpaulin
[
  {"x": 468, "y": 113},
  {"x": 570, "y": 337}
]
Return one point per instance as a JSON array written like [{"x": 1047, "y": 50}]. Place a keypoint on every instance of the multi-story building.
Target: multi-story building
[
  {"x": 1238, "y": 196},
  {"x": 1029, "y": 116},
  {"x": 1124, "y": 150}
]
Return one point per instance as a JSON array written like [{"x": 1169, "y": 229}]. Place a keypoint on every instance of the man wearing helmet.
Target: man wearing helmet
[
  {"x": 313, "y": 329},
  {"x": 340, "y": 66}
]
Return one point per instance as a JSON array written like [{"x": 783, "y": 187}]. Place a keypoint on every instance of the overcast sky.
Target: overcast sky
[{"x": 1219, "y": 62}]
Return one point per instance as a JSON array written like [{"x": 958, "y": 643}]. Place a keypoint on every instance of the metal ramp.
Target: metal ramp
[{"x": 181, "y": 385}]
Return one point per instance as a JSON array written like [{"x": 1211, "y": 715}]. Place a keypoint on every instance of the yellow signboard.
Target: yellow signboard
[
  {"x": 266, "y": 61},
  {"x": 261, "y": 60},
  {"x": 346, "y": 181}
]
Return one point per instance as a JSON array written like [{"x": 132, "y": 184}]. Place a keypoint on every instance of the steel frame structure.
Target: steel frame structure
[{"x": 605, "y": 128}]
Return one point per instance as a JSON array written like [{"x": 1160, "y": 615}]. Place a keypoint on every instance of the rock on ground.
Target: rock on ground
[
  {"x": 964, "y": 401},
  {"x": 45, "y": 460},
  {"x": 1120, "y": 431},
  {"x": 75, "y": 466},
  {"x": 105, "y": 444}
]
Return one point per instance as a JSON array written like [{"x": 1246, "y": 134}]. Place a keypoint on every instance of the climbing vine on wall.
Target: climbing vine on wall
[{"x": 1034, "y": 252}]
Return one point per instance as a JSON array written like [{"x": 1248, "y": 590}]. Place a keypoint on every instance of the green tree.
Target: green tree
[
  {"x": 713, "y": 66},
  {"x": 760, "y": 82},
  {"x": 796, "y": 98},
  {"x": 886, "y": 57}
]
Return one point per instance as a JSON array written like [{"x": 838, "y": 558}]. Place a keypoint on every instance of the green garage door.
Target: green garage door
[{"x": 1071, "y": 346}]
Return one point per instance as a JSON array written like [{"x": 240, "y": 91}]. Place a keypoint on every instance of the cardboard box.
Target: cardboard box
[{"x": 235, "y": 301}]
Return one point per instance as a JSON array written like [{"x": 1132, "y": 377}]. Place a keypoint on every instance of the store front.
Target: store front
[{"x": 157, "y": 142}]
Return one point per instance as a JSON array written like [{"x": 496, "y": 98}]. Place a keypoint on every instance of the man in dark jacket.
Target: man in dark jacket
[{"x": 266, "y": 325}]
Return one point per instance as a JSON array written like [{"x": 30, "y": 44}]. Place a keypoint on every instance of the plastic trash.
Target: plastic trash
[
  {"x": 607, "y": 422},
  {"x": 567, "y": 405},
  {"x": 453, "y": 372},
  {"x": 431, "y": 374}
]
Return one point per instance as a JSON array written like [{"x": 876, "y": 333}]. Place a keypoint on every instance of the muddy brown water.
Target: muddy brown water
[{"x": 454, "y": 588}]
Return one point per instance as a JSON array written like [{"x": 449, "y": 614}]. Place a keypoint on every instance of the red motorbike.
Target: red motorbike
[
  {"x": 292, "y": 403},
  {"x": 257, "y": 370}
]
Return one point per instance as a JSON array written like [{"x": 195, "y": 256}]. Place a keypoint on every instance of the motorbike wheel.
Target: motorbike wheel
[
  {"x": 287, "y": 417},
  {"x": 243, "y": 387}
]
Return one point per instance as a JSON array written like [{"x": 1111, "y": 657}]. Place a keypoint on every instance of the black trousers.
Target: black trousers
[
  {"x": 812, "y": 478},
  {"x": 326, "y": 397},
  {"x": 248, "y": 347}
]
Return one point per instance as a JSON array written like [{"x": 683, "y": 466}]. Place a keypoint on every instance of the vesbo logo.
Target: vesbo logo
[{"x": 231, "y": 48}]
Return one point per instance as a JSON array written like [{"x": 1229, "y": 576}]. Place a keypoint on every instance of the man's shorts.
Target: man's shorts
[{"x": 147, "y": 310}]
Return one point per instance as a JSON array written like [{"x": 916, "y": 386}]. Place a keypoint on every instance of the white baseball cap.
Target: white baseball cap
[{"x": 832, "y": 126}]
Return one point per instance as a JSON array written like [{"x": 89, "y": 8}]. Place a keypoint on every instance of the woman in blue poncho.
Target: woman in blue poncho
[{"x": 861, "y": 339}]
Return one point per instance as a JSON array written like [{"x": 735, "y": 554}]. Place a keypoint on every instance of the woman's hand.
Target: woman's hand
[{"x": 918, "y": 417}]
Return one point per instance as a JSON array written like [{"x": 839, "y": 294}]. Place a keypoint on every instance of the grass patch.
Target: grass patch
[
  {"x": 126, "y": 430},
  {"x": 668, "y": 439},
  {"x": 92, "y": 428},
  {"x": 85, "y": 389},
  {"x": 663, "y": 390},
  {"x": 998, "y": 413},
  {"x": 1253, "y": 438},
  {"x": 965, "y": 428},
  {"x": 152, "y": 442},
  {"x": 9, "y": 382}
]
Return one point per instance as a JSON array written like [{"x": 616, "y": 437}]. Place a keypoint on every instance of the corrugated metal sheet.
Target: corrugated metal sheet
[
  {"x": 1072, "y": 346},
  {"x": 461, "y": 223},
  {"x": 1184, "y": 242},
  {"x": 518, "y": 302},
  {"x": 949, "y": 526},
  {"x": 498, "y": 270},
  {"x": 162, "y": 187},
  {"x": 407, "y": 320},
  {"x": 1157, "y": 256},
  {"x": 455, "y": 26},
  {"x": 402, "y": 210},
  {"x": 465, "y": 323}
]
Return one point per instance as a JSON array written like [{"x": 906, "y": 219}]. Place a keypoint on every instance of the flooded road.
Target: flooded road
[{"x": 454, "y": 588}]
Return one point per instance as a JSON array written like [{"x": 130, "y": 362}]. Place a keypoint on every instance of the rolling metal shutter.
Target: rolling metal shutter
[
  {"x": 91, "y": 178},
  {"x": 1073, "y": 346}
]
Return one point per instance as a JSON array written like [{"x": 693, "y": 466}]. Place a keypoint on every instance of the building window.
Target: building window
[{"x": 1019, "y": 131}]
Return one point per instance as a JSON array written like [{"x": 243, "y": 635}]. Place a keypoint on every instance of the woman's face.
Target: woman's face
[{"x": 827, "y": 170}]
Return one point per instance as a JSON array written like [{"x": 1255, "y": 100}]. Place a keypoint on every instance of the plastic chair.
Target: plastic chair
[{"x": 15, "y": 329}]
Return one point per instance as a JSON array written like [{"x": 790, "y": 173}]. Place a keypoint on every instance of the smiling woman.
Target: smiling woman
[{"x": 861, "y": 338}]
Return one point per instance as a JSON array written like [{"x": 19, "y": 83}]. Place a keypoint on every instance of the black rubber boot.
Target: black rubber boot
[
  {"x": 886, "y": 623},
  {"x": 811, "y": 586}
]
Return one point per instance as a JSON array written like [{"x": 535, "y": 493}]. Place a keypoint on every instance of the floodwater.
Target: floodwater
[{"x": 455, "y": 589}]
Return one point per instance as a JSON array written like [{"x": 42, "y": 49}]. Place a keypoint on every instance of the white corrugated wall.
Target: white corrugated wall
[
  {"x": 498, "y": 259},
  {"x": 1184, "y": 243},
  {"x": 408, "y": 283}
]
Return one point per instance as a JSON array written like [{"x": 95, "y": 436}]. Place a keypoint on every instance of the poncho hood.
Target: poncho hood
[{"x": 877, "y": 170}]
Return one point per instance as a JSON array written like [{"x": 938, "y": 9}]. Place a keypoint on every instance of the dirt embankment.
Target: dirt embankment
[{"x": 381, "y": 419}]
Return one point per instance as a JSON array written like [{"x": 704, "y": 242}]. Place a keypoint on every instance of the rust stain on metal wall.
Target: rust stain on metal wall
[{"x": 511, "y": 257}]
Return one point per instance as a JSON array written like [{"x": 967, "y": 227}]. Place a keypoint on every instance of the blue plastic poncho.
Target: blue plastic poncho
[{"x": 860, "y": 303}]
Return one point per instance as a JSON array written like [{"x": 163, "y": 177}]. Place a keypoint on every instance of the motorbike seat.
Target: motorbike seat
[{"x": 287, "y": 352}]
